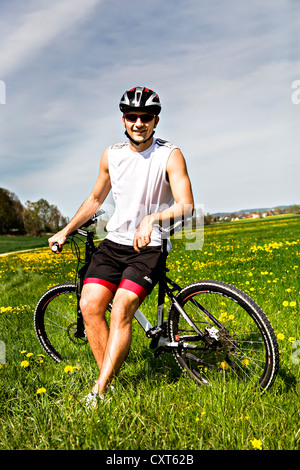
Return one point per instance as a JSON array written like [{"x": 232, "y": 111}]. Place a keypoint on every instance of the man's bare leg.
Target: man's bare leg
[
  {"x": 119, "y": 339},
  {"x": 94, "y": 301},
  {"x": 109, "y": 345}
]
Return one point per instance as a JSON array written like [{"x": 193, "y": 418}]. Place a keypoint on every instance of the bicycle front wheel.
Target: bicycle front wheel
[
  {"x": 55, "y": 323},
  {"x": 229, "y": 333}
]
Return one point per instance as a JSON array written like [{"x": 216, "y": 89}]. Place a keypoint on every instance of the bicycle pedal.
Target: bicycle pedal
[
  {"x": 159, "y": 351},
  {"x": 154, "y": 342}
]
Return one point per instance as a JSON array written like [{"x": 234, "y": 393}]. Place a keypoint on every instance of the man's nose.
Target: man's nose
[{"x": 138, "y": 122}]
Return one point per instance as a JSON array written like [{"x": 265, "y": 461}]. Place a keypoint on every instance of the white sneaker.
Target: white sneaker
[{"x": 91, "y": 400}]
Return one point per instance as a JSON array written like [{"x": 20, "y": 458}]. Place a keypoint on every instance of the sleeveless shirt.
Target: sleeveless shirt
[{"x": 139, "y": 188}]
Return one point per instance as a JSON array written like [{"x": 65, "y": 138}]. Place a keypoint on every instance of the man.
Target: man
[{"x": 150, "y": 186}]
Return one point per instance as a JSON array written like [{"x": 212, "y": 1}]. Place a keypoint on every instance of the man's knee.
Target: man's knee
[
  {"x": 124, "y": 306},
  {"x": 94, "y": 300}
]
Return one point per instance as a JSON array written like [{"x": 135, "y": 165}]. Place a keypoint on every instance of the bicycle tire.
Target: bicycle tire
[
  {"x": 54, "y": 316},
  {"x": 242, "y": 340}
]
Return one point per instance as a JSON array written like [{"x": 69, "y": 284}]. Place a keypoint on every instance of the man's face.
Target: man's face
[{"x": 137, "y": 128}]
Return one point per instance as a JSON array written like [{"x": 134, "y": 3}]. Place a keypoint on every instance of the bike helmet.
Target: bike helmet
[{"x": 141, "y": 98}]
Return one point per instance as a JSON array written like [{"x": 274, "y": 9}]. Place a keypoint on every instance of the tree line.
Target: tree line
[{"x": 32, "y": 219}]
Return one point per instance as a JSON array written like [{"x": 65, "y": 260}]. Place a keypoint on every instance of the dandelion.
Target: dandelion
[
  {"x": 29, "y": 354},
  {"x": 224, "y": 365},
  {"x": 24, "y": 364},
  {"x": 70, "y": 369},
  {"x": 41, "y": 390},
  {"x": 293, "y": 303},
  {"x": 280, "y": 336},
  {"x": 285, "y": 303},
  {"x": 256, "y": 443},
  {"x": 292, "y": 339}
]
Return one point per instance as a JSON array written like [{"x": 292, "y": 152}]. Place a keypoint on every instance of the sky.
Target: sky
[{"x": 227, "y": 73}]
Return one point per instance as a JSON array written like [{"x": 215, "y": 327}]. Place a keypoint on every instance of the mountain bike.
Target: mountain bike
[{"x": 211, "y": 327}]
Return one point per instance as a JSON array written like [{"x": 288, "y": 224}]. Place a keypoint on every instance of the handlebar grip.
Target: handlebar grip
[{"x": 55, "y": 247}]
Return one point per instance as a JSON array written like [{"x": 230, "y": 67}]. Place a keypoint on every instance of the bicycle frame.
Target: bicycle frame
[{"x": 166, "y": 286}]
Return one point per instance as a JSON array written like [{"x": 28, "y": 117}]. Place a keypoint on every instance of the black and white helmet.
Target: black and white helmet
[{"x": 141, "y": 98}]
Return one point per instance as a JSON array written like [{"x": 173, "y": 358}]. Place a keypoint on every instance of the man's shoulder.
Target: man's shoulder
[{"x": 119, "y": 146}]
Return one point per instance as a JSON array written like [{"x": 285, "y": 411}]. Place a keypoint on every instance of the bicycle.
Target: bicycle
[{"x": 212, "y": 327}]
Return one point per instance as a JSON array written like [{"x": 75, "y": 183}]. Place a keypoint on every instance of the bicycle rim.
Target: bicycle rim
[{"x": 239, "y": 339}]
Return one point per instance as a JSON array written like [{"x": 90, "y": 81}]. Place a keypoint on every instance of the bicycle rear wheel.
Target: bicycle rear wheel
[{"x": 234, "y": 335}]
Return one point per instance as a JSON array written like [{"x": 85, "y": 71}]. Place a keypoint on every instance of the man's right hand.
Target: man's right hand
[{"x": 59, "y": 238}]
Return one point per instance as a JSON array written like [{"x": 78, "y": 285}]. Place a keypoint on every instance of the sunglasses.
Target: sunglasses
[{"x": 131, "y": 117}]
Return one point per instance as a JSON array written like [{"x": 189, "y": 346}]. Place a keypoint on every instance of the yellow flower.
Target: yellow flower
[
  {"x": 256, "y": 443},
  {"x": 285, "y": 303},
  {"x": 41, "y": 390},
  {"x": 280, "y": 336},
  {"x": 24, "y": 364},
  {"x": 292, "y": 303},
  {"x": 69, "y": 369},
  {"x": 292, "y": 339},
  {"x": 29, "y": 354}
]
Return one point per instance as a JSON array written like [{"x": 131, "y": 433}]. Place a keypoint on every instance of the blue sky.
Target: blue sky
[{"x": 224, "y": 71}]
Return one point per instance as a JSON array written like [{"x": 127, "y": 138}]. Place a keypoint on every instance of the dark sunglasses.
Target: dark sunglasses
[{"x": 131, "y": 117}]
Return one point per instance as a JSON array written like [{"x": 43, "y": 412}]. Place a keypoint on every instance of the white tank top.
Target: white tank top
[{"x": 139, "y": 188}]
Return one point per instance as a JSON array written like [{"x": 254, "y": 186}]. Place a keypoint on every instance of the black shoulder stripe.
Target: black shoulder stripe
[{"x": 164, "y": 143}]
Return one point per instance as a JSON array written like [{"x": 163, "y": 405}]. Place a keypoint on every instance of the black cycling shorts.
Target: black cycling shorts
[{"x": 114, "y": 265}]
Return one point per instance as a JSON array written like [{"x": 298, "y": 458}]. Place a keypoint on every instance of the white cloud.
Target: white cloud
[{"x": 36, "y": 29}]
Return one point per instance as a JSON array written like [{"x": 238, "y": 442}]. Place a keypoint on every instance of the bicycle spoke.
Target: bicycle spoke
[{"x": 231, "y": 339}]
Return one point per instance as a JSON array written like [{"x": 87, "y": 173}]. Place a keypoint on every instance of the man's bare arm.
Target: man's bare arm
[
  {"x": 183, "y": 197},
  {"x": 89, "y": 206}
]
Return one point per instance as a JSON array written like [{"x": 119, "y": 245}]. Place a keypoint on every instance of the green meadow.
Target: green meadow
[{"x": 153, "y": 406}]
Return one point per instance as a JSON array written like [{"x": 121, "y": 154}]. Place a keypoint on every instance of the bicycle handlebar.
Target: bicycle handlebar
[
  {"x": 92, "y": 220},
  {"x": 168, "y": 231}
]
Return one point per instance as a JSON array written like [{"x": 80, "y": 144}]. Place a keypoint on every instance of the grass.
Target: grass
[
  {"x": 9, "y": 244},
  {"x": 153, "y": 406}
]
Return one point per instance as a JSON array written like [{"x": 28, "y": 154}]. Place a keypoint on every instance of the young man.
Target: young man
[{"x": 150, "y": 185}]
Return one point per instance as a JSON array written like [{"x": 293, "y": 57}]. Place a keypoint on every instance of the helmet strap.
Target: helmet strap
[{"x": 138, "y": 143}]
